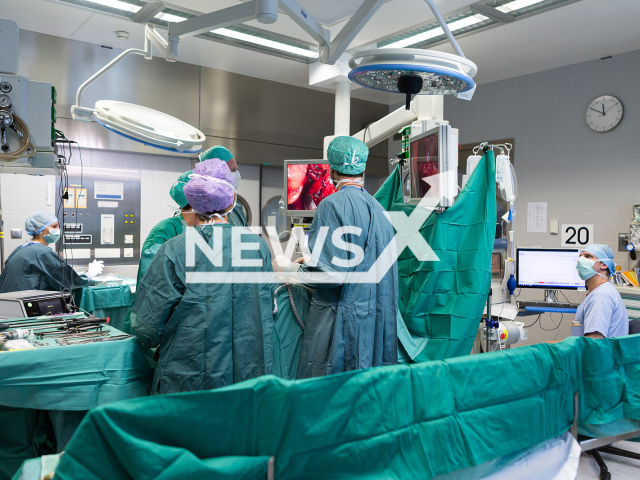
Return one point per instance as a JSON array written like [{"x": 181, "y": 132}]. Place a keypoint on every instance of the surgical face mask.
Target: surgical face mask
[
  {"x": 236, "y": 178},
  {"x": 585, "y": 268},
  {"x": 53, "y": 236}
]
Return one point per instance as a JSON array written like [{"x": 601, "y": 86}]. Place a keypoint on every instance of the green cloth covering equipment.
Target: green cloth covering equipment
[
  {"x": 103, "y": 301},
  {"x": 47, "y": 390},
  {"x": 287, "y": 338},
  {"x": 413, "y": 421},
  {"x": 442, "y": 301}
]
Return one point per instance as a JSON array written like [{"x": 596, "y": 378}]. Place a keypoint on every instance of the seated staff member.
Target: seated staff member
[
  {"x": 163, "y": 231},
  {"x": 602, "y": 314},
  {"x": 236, "y": 216},
  {"x": 208, "y": 334},
  {"x": 35, "y": 266}
]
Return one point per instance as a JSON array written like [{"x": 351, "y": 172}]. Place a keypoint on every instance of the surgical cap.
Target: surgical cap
[
  {"x": 347, "y": 155},
  {"x": 37, "y": 222},
  {"x": 206, "y": 194},
  {"x": 604, "y": 254},
  {"x": 177, "y": 189},
  {"x": 216, "y": 152}
]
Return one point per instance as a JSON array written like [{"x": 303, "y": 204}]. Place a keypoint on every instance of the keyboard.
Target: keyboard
[{"x": 523, "y": 304}]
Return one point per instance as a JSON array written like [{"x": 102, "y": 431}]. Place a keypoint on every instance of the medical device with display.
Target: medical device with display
[
  {"x": 307, "y": 183},
  {"x": 431, "y": 155},
  {"x": 33, "y": 303},
  {"x": 548, "y": 269}
]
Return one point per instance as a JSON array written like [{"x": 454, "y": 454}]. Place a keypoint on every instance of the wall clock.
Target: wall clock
[{"x": 604, "y": 113}]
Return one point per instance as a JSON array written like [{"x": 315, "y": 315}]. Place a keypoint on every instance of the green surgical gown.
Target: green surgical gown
[
  {"x": 350, "y": 326},
  {"x": 236, "y": 216},
  {"x": 163, "y": 231},
  {"x": 36, "y": 267},
  {"x": 209, "y": 334}
]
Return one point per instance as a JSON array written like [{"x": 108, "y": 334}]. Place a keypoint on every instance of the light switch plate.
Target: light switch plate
[
  {"x": 553, "y": 227},
  {"x": 16, "y": 233}
]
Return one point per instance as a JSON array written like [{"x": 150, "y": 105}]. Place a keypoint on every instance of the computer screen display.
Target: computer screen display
[
  {"x": 548, "y": 268},
  {"x": 307, "y": 185},
  {"x": 425, "y": 162}
]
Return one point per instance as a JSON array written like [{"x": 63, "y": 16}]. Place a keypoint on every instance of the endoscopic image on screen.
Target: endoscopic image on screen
[
  {"x": 307, "y": 185},
  {"x": 424, "y": 163}
]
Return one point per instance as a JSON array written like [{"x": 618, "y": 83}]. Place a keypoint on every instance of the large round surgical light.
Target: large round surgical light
[
  {"x": 148, "y": 126},
  {"x": 389, "y": 69}
]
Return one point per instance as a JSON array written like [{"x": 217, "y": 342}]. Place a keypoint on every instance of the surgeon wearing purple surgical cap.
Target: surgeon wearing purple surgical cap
[{"x": 206, "y": 301}]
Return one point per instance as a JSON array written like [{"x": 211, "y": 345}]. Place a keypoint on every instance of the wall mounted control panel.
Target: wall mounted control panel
[{"x": 101, "y": 217}]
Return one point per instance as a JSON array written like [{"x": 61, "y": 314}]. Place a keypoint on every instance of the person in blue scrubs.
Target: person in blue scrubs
[
  {"x": 602, "y": 314},
  {"x": 351, "y": 325}
]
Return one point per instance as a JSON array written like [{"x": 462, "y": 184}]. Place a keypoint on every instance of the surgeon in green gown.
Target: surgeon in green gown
[
  {"x": 208, "y": 314},
  {"x": 163, "y": 231},
  {"x": 35, "y": 266},
  {"x": 236, "y": 217},
  {"x": 351, "y": 324}
]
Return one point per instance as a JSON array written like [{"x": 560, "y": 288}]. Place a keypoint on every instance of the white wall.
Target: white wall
[
  {"x": 584, "y": 176},
  {"x": 22, "y": 195}
]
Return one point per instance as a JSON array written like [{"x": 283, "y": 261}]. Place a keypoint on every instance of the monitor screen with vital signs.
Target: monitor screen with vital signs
[{"x": 547, "y": 268}]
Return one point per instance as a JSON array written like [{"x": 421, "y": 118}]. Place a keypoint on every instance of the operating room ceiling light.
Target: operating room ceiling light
[
  {"x": 441, "y": 73},
  {"x": 148, "y": 126}
]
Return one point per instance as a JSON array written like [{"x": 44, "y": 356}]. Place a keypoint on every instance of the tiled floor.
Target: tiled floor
[{"x": 621, "y": 468}]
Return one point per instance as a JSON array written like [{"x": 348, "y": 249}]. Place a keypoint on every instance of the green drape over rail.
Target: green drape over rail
[
  {"x": 442, "y": 301},
  {"x": 405, "y": 421}
]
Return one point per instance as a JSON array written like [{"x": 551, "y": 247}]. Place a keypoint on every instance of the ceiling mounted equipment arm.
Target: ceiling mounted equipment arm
[
  {"x": 78, "y": 112},
  {"x": 444, "y": 27},
  {"x": 309, "y": 24},
  {"x": 330, "y": 53}
]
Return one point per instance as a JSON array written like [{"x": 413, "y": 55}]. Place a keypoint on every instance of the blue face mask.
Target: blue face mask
[{"x": 53, "y": 236}]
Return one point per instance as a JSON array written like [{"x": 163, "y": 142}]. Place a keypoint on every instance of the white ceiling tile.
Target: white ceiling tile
[
  {"x": 574, "y": 19},
  {"x": 630, "y": 7},
  {"x": 44, "y": 17}
]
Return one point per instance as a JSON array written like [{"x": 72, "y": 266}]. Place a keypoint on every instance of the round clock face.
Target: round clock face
[{"x": 604, "y": 113}]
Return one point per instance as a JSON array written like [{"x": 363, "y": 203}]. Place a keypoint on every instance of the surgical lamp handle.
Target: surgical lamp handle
[
  {"x": 104, "y": 70},
  {"x": 444, "y": 26}
]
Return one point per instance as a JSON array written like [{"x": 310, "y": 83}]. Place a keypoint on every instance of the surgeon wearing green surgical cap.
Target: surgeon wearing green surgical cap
[
  {"x": 164, "y": 230},
  {"x": 236, "y": 217},
  {"x": 350, "y": 325}
]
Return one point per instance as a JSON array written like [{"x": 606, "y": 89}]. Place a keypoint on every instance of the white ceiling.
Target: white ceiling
[{"x": 586, "y": 30}]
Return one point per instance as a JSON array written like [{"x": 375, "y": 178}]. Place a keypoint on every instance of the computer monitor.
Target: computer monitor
[
  {"x": 306, "y": 184},
  {"x": 548, "y": 268},
  {"x": 431, "y": 153}
]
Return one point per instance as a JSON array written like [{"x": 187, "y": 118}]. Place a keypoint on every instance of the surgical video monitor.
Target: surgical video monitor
[
  {"x": 432, "y": 153},
  {"x": 548, "y": 268},
  {"x": 306, "y": 184}
]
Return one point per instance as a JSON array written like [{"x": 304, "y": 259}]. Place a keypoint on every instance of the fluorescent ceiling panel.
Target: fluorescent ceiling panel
[
  {"x": 517, "y": 5},
  {"x": 265, "y": 42},
  {"x": 127, "y": 7},
  {"x": 436, "y": 32}
]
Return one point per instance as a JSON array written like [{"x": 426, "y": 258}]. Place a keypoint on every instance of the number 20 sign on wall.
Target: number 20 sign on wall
[{"x": 576, "y": 236}]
